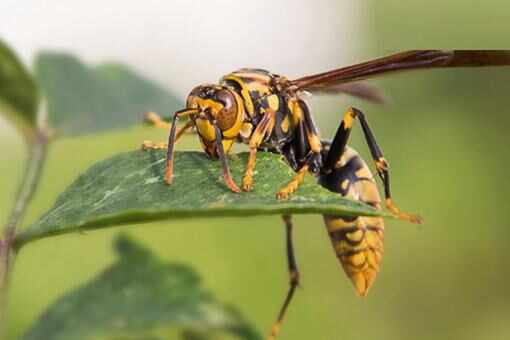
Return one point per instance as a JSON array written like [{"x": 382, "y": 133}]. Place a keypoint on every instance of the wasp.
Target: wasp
[{"x": 268, "y": 112}]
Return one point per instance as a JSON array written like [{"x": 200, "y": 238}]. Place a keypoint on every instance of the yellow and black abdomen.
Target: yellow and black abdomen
[{"x": 357, "y": 241}]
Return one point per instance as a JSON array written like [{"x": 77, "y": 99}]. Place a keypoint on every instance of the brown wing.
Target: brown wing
[
  {"x": 357, "y": 89},
  {"x": 410, "y": 60}
]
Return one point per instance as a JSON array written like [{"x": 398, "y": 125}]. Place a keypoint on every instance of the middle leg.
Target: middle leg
[
  {"x": 311, "y": 149},
  {"x": 264, "y": 128}
]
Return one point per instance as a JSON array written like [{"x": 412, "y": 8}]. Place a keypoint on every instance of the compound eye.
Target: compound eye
[
  {"x": 227, "y": 116},
  {"x": 227, "y": 99}
]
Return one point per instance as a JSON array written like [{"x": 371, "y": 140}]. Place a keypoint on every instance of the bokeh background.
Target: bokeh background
[{"x": 445, "y": 134}]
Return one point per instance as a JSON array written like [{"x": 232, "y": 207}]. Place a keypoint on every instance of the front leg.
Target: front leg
[
  {"x": 149, "y": 145},
  {"x": 223, "y": 159},
  {"x": 264, "y": 127}
]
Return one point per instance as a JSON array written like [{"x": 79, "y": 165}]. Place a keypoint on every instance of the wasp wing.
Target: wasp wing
[
  {"x": 357, "y": 89},
  {"x": 410, "y": 60}
]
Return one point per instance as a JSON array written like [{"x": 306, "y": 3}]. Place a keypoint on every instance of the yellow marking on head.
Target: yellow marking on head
[
  {"x": 205, "y": 129},
  {"x": 213, "y": 105}
]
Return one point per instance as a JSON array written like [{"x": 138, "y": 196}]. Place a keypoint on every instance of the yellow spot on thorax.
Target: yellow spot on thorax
[
  {"x": 285, "y": 124},
  {"x": 273, "y": 102}
]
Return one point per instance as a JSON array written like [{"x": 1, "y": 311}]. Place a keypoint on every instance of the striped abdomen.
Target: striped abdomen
[{"x": 357, "y": 241}]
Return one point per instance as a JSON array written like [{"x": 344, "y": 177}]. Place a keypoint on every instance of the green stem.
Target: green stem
[{"x": 30, "y": 181}]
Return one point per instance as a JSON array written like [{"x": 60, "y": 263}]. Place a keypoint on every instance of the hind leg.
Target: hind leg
[
  {"x": 382, "y": 169},
  {"x": 338, "y": 146},
  {"x": 294, "y": 278}
]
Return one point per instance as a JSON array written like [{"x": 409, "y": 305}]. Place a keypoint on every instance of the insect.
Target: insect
[{"x": 268, "y": 112}]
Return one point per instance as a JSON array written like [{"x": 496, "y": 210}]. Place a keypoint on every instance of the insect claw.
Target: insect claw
[
  {"x": 413, "y": 218},
  {"x": 146, "y": 145},
  {"x": 282, "y": 195},
  {"x": 169, "y": 176},
  {"x": 247, "y": 183},
  {"x": 232, "y": 185},
  {"x": 149, "y": 145}
]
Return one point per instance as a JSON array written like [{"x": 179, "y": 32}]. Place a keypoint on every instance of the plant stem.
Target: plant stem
[{"x": 37, "y": 155}]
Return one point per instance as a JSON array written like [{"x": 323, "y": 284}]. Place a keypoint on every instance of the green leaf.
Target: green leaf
[
  {"x": 138, "y": 297},
  {"x": 129, "y": 188},
  {"x": 19, "y": 96},
  {"x": 83, "y": 99}
]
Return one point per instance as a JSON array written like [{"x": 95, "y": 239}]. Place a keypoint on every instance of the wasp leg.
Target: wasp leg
[
  {"x": 221, "y": 154},
  {"x": 171, "y": 143},
  {"x": 294, "y": 278},
  {"x": 263, "y": 128},
  {"x": 313, "y": 162},
  {"x": 381, "y": 164},
  {"x": 292, "y": 186},
  {"x": 149, "y": 145},
  {"x": 154, "y": 119},
  {"x": 312, "y": 133}
]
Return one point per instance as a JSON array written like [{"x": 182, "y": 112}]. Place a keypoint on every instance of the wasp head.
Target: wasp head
[{"x": 217, "y": 106}]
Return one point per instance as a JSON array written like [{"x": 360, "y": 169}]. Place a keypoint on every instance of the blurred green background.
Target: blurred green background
[{"x": 445, "y": 135}]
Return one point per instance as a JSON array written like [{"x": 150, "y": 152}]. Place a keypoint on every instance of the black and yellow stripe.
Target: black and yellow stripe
[{"x": 357, "y": 241}]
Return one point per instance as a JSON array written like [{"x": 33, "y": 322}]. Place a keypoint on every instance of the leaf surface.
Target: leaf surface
[
  {"x": 19, "y": 95},
  {"x": 84, "y": 99},
  {"x": 129, "y": 188},
  {"x": 139, "y": 297}
]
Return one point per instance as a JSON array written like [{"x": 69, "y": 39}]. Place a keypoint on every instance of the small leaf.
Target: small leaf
[
  {"x": 129, "y": 188},
  {"x": 138, "y": 297},
  {"x": 18, "y": 92},
  {"x": 83, "y": 99}
]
